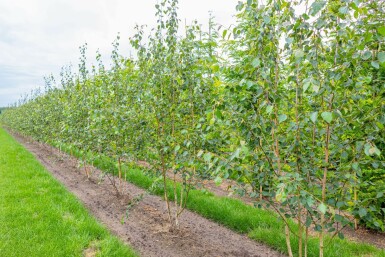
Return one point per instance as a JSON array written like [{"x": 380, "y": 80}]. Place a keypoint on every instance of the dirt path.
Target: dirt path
[{"x": 146, "y": 227}]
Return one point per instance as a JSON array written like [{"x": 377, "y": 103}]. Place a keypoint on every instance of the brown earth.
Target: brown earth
[{"x": 140, "y": 219}]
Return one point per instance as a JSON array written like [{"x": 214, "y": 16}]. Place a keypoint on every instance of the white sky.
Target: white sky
[{"x": 38, "y": 37}]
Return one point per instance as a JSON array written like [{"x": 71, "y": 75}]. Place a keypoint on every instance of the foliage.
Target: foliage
[
  {"x": 294, "y": 111},
  {"x": 371, "y": 191},
  {"x": 293, "y": 80}
]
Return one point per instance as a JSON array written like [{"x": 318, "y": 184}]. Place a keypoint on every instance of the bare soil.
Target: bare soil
[{"x": 140, "y": 219}]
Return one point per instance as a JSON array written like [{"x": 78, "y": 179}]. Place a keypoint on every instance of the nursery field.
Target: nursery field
[
  {"x": 284, "y": 111},
  {"x": 139, "y": 218}
]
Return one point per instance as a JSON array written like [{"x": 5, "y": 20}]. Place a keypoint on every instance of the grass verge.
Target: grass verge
[
  {"x": 39, "y": 217},
  {"x": 260, "y": 225}
]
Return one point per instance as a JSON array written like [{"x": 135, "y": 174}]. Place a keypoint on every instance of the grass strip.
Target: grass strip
[{"x": 39, "y": 217}]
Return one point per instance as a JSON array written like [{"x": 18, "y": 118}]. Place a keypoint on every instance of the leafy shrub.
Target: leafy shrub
[{"x": 372, "y": 191}]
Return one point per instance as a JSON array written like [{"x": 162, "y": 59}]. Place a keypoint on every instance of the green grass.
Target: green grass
[
  {"x": 39, "y": 217},
  {"x": 260, "y": 225}
]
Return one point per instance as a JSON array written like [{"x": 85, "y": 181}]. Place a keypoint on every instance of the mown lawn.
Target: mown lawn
[{"x": 39, "y": 217}]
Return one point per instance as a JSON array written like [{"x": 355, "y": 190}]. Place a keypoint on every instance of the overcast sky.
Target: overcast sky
[{"x": 38, "y": 37}]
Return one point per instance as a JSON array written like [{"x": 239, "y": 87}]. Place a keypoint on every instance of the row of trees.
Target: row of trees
[
  {"x": 303, "y": 84},
  {"x": 290, "y": 103}
]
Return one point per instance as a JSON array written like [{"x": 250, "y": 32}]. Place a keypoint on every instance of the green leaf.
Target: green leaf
[
  {"x": 218, "y": 181},
  {"x": 371, "y": 150},
  {"x": 375, "y": 64},
  {"x": 308, "y": 221},
  {"x": 224, "y": 33},
  {"x": 299, "y": 53},
  {"x": 322, "y": 208},
  {"x": 282, "y": 118},
  {"x": 256, "y": 62},
  {"x": 327, "y": 116},
  {"x": 215, "y": 67},
  {"x": 314, "y": 116},
  {"x": 266, "y": 19},
  {"x": 239, "y": 6},
  {"x": 343, "y": 10},
  {"x": 366, "y": 149},
  {"x": 356, "y": 14},
  {"x": 200, "y": 153},
  {"x": 341, "y": 235},
  {"x": 366, "y": 55},
  {"x": 380, "y": 194},
  {"x": 380, "y": 125},
  {"x": 207, "y": 157},
  {"x": 306, "y": 85},
  {"x": 281, "y": 196},
  {"x": 362, "y": 212},
  {"x": 381, "y": 57},
  {"x": 289, "y": 40},
  {"x": 269, "y": 109},
  {"x": 177, "y": 148},
  {"x": 309, "y": 201},
  {"x": 235, "y": 154},
  {"x": 377, "y": 151},
  {"x": 340, "y": 204},
  {"x": 355, "y": 166},
  {"x": 316, "y": 88},
  {"x": 316, "y": 7},
  {"x": 218, "y": 114},
  {"x": 338, "y": 218},
  {"x": 381, "y": 30}
]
